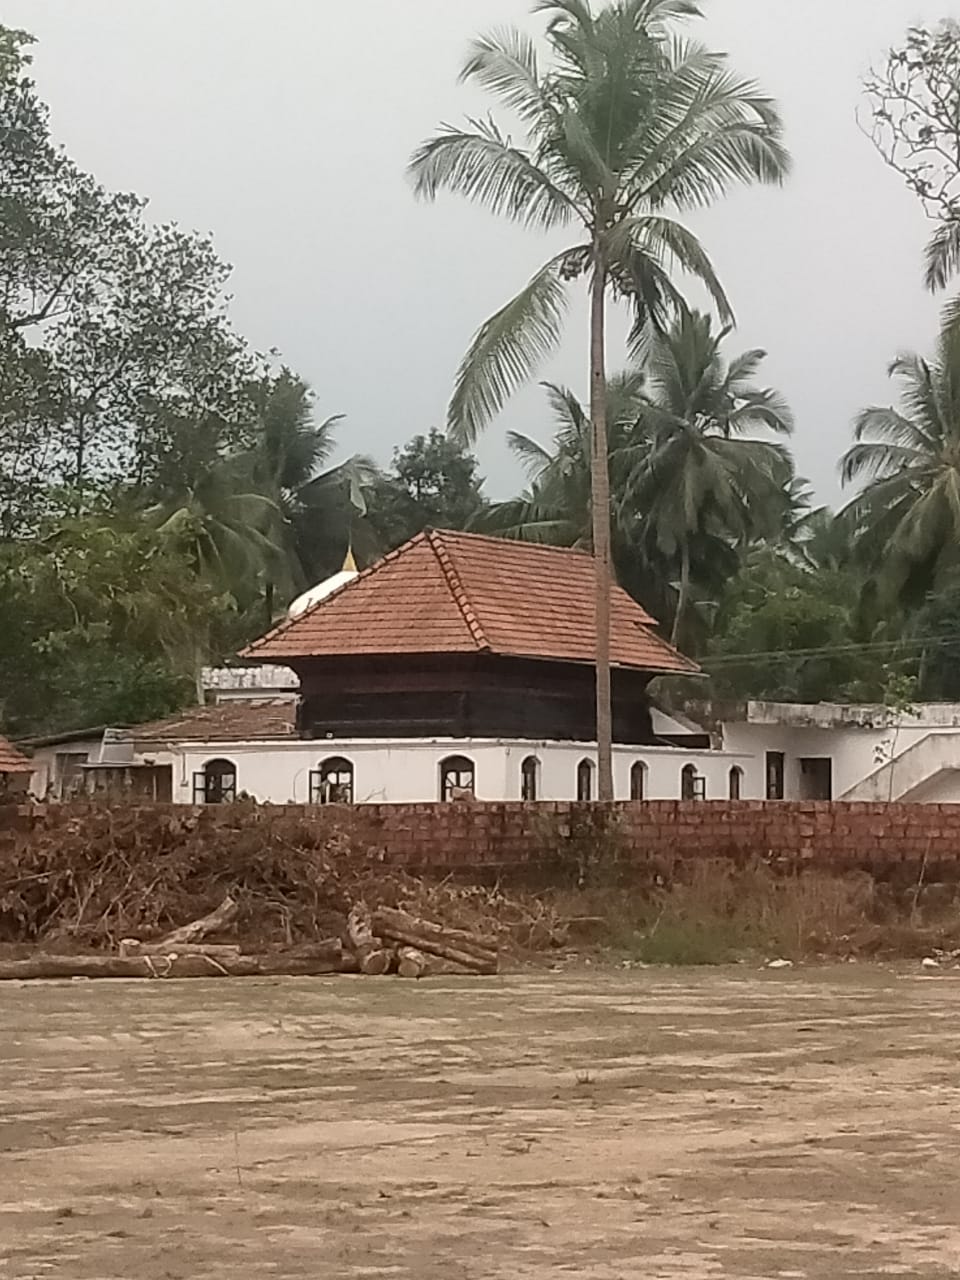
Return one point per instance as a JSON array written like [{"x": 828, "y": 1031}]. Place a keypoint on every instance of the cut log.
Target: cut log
[
  {"x": 455, "y": 945},
  {"x": 375, "y": 962},
  {"x": 360, "y": 926},
  {"x": 413, "y": 963},
  {"x": 174, "y": 965},
  {"x": 387, "y": 920},
  {"x": 197, "y": 930},
  {"x": 220, "y": 951},
  {"x": 372, "y": 957}
]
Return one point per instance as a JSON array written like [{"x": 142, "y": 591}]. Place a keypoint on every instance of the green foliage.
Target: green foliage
[
  {"x": 935, "y": 630},
  {"x": 432, "y": 484},
  {"x": 906, "y": 518},
  {"x": 692, "y": 489},
  {"x": 102, "y": 623},
  {"x": 161, "y": 488},
  {"x": 787, "y": 632}
]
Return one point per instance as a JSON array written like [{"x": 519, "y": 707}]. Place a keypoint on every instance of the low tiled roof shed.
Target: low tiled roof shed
[{"x": 11, "y": 760}]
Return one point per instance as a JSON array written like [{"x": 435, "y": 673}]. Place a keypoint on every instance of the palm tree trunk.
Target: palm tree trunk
[
  {"x": 600, "y": 488},
  {"x": 684, "y": 594}
]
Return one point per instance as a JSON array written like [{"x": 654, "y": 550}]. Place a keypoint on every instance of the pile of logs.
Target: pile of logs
[{"x": 386, "y": 941}]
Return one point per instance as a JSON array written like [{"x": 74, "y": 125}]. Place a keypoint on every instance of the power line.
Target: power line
[{"x": 875, "y": 648}]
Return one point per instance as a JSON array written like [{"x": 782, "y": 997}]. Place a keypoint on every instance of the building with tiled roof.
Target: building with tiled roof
[
  {"x": 458, "y": 665},
  {"x": 462, "y": 593},
  {"x": 464, "y": 636}
]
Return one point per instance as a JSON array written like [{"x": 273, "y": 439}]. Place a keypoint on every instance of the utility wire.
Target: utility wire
[{"x": 876, "y": 648}]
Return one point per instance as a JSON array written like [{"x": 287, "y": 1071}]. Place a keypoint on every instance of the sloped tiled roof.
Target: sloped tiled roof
[
  {"x": 11, "y": 761},
  {"x": 464, "y": 593},
  {"x": 225, "y": 722}
]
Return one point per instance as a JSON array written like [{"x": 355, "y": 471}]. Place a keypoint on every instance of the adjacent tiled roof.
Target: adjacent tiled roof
[
  {"x": 11, "y": 761},
  {"x": 464, "y": 593},
  {"x": 225, "y": 722}
]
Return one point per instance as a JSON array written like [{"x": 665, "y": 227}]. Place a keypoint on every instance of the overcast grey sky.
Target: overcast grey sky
[{"x": 283, "y": 128}]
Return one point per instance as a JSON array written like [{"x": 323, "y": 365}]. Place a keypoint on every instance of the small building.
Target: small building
[
  {"x": 15, "y": 770},
  {"x": 831, "y": 751}
]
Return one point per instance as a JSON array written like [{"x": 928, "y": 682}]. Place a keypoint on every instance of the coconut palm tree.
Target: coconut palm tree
[
  {"x": 701, "y": 478},
  {"x": 907, "y": 516},
  {"x": 557, "y": 509},
  {"x": 627, "y": 126},
  {"x": 225, "y": 526},
  {"x": 319, "y": 513}
]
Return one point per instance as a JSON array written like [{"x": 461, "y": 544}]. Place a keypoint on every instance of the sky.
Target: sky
[{"x": 284, "y": 129}]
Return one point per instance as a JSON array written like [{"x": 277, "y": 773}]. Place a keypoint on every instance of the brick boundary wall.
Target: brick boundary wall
[{"x": 546, "y": 841}]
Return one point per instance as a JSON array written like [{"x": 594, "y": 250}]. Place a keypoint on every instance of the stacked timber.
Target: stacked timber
[{"x": 385, "y": 941}]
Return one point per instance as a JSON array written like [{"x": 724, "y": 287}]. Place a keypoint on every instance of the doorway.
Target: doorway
[
  {"x": 776, "y": 775},
  {"x": 816, "y": 778}
]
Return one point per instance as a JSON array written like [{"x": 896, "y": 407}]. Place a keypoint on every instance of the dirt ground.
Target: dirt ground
[{"x": 643, "y": 1124}]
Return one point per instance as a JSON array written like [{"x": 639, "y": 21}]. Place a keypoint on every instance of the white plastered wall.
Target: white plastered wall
[
  {"x": 408, "y": 772},
  {"x": 857, "y": 753}
]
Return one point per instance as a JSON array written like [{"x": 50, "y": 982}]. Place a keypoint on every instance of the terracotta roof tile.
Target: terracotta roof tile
[
  {"x": 464, "y": 593},
  {"x": 226, "y": 722},
  {"x": 11, "y": 761}
]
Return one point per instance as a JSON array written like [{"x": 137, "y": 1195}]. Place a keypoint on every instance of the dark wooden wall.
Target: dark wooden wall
[{"x": 464, "y": 697}]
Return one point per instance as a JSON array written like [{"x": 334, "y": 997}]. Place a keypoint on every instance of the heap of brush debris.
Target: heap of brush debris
[
  {"x": 374, "y": 943},
  {"x": 107, "y": 894}
]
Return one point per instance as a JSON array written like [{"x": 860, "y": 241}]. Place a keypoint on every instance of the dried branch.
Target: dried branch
[{"x": 914, "y": 102}]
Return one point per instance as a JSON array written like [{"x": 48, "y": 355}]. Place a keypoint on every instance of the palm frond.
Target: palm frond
[
  {"x": 760, "y": 409},
  {"x": 534, "y": 458},
  {"x": 886, "y": 424},
  {"x": 505, "y": 63},
  {"x": 745, "y": 366},
  {"x": 711, "y": 131},
  {"x": 876, "y": 461},
  {"x": 507, "y": 350},
  {"x": 656, "y": 15},
  {"x": 657, "y": 237},
  {"x": 482, "y": 165},
  {"x": 943, "y": 256},
  {"x": 569, "y": 416}
]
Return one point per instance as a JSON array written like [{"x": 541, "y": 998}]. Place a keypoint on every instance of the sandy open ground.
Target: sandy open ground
[{"x": 646, "y": 1124}]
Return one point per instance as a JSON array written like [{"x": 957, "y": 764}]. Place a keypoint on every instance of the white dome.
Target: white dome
[{"x": 320, "y": 592}]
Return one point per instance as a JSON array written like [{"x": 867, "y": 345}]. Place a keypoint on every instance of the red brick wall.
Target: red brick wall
[{"x": 557, "y": 840}]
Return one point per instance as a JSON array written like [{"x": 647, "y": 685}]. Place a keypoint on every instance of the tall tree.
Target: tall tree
[
  {"x": 626, "y": 125},
  {"x": 143, "y": 369},
  {"x": 703, "y": 475},
  {"x": 224, "y": 527},
  {"x": 433, "y": 483},
  {"x": 320, "y": 513},
  {"x": 907, "y": 516},
  {"x": 557, "y": 509},
  {"x": 915, "y": 104}
]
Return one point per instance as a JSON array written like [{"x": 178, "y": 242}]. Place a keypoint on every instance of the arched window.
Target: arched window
[
  {"x": 217, "y": 784},
  {"x": 638, "y": 781},
  {"x": 736, "y": 783},
  {"x": 458, "y": 778},
  {"x": 530, "y": 779},
  {"x": 585, "y": 781},
  {"x": 692, "y": 786},
  {"x": 332, "y": 783}
]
